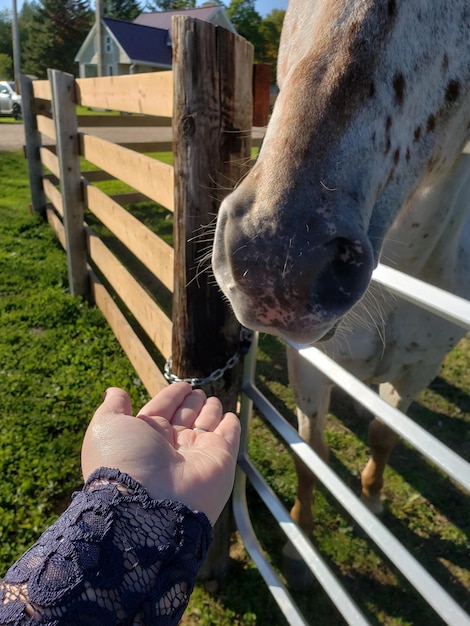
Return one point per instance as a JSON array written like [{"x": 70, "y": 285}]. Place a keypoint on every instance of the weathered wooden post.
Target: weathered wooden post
[
  {"x": 66, "y": 128},
  {"x": 33, "y": 144},
  {"x": 212, "y": 142}
]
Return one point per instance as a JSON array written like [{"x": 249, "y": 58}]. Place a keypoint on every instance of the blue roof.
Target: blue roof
[{"x": 141, "y": 43}]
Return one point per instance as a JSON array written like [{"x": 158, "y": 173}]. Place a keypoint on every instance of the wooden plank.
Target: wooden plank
[
  {"x": 52, "y": 178},
  {"x": 46, "y": 126},
  {"x": 33, "y": 143},
  {"x": 150, "y": 93},
  {"x": 42, "y": 89},
  {"x": 149, "y": 176},
  {"x": 42, "y": 107},
  {"x": 119, "y": 121},
  {"x": 152, "y": 251},
  {"x": 57, "y": 226},
  {"x": 149, "y": 315},
  {"x": 50, "y": 160},
  {"x": 54, "y": 196},
  {"x": 149, "y": 146},
  {"x": 65, "y": 119},
  {"x": 144, "y": 365}
]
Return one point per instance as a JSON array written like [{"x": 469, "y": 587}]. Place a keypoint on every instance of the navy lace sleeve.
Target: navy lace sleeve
[{"x": 114, "y": 557}]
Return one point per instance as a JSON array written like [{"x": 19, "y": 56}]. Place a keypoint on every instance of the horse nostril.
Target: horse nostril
[{"x": 342, "y": 282}]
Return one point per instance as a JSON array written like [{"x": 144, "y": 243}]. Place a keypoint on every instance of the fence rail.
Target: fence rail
[
  {"x": 435, "y": 300},
  {"x": 134, "y": 276},
  {"x": 60, "y": 138}
]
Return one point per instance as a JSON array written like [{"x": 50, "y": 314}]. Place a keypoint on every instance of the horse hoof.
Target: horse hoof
[
  {"x": 296, "y": 572},
  {"x": 373, "y": 503}
]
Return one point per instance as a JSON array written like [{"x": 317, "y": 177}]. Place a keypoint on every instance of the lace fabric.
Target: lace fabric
[{"x": 115, "y": 557}]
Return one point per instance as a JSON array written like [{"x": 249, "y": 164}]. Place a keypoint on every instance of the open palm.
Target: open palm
[{"x": 180, "y": 446}]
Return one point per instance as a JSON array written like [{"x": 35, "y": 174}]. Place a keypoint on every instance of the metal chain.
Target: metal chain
[{"x": 244, "y": 346}]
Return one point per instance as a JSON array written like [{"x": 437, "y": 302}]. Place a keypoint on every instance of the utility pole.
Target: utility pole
[
  {"x": 16, "y": 47},
  {"x": 99, "y": 38}
]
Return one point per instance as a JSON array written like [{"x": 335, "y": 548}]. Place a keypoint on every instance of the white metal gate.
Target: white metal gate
[{"x": 430, "y": 298}]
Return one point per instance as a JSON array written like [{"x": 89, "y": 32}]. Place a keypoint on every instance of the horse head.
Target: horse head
[{"x": 373, "y": 108}]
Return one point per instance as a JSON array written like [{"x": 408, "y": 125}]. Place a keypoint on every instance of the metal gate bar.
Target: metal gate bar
[
  {"x": 333, "y": 588},
  {"x": 433, "y": 299},
  {"x": 420, "y": 579},
  {"x": 430, "y": 298},
  {"x": 442, "y": 456}
]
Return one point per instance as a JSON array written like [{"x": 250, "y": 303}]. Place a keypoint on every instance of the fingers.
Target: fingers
[
  {"x": 167, "y": 402},
  {"x": 115, "y": 401},
  {"x": 229, "y": 428},
  {"x": 180, "y": 405},
  {"x": 190, "y": 409},
  {"x": 209, "y": 415}
]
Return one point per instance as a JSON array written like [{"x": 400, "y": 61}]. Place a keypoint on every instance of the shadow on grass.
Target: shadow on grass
[{"x": 433, "y": 522}]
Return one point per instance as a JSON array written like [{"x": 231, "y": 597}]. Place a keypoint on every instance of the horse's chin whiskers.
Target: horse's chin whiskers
[
  {"x": 205, "y": 230},
  {"x": 226, "y": 184},
  {"x": 200, "y": 271},
  {"x": 368, "y": 315},
  {"x": 372, "y": 316}
]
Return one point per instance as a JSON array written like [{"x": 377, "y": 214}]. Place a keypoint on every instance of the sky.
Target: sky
[{"x": 262, "y": 6}]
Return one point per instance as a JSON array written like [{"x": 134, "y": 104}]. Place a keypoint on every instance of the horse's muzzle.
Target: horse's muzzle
[{"x": 286, "y": 282}]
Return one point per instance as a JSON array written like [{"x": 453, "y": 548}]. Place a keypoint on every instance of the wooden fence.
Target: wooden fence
[
  {"x": 163, "y": 309},
  {"x": 203, "y": 109}
]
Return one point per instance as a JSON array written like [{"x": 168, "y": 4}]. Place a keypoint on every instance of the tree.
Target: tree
[
  {"x": 271, "y": 28},
  {"x": 170, "y": 5},
  {"x": 55, "y": 36},
  {"x": 26, "y": 19},
  {"x": 6, "y": 66},
  {"x": 247, "y": 21},
  {"x": 5, "y": 33},
  {"x": 126, "y": 10}
]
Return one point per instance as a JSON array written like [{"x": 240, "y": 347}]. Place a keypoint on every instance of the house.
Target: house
[
  {"x": 143, "y": 45},
  {"x": 162, "y": 19}
]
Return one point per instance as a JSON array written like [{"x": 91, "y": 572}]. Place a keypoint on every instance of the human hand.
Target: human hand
[{"x": 163, "y": 449}]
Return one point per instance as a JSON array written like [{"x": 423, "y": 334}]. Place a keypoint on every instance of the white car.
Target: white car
[{"x": 10, "y": 101}]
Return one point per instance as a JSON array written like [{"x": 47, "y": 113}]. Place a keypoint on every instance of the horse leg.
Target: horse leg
[
  {"x": 312, "y": 393},
  {"x": 383, "y": 439},
  {"x": 310, "y": 426}
]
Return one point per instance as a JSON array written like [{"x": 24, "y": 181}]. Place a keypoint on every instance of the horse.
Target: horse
[{"x": 362, "y": 160}]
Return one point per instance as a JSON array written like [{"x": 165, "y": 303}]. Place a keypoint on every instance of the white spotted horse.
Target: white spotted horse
[{"x": 362, "y": 160}]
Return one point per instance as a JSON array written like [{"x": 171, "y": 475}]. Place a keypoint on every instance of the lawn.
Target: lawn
[{"x": 57, "y": 356}]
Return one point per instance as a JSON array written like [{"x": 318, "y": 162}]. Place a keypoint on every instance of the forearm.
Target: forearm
[{"x": 114, "y": 553}]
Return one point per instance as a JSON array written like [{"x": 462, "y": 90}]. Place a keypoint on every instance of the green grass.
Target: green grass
[
  {"x": 9, "y": 120},
  {"x": 81, "y": 110},
  {"x": 57, "y": 356},
  {"x": 424, "y": 509}
]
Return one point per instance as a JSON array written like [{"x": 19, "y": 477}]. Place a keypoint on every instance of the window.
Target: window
[{"x": 109, "y": 44}]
